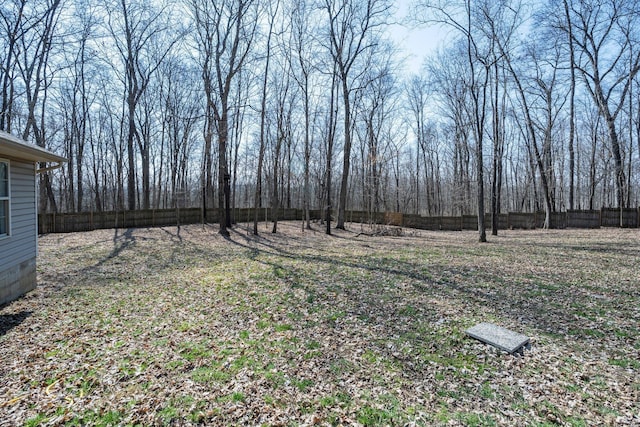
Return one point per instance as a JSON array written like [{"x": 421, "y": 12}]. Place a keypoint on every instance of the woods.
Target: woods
[{"x": 251, "y": 104}]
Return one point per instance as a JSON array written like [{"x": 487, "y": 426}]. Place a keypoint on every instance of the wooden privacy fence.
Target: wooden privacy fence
[
  {"x": 86, "y": 221},
  {"x": 629, "y": 218}
]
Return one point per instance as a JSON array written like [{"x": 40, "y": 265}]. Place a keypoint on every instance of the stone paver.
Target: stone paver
[{"x": 499, "y": 337}]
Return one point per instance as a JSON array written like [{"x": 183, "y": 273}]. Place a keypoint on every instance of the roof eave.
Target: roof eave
[{"x": 11, "y": 146}]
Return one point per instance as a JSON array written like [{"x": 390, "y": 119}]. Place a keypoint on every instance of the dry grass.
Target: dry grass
[{"x": 177, "y": 327}]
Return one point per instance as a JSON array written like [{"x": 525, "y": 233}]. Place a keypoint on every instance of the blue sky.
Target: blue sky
[{"x": 415, "y": 43}]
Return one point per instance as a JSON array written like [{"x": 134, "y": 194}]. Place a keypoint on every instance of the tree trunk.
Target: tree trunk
[
  {"x": 497, "y": 156},
  {"x": 223, "y": 171},
  {"x": 307, "y": 158},
  {"x": 572, "y": 113},
  {"x": 257, "y": 199},
  {"x": 131, "y": 172},
  {"x": 346, "y": 165},
  {"x": 330, "y": 139},
  {"x": 275, "y": 200}
]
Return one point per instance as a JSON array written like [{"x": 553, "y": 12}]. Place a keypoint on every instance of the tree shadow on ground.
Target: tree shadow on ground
[
  {"x": 176, "y": 238},
  {"x": 121, "y": 242},
  {"x": 10, "y": 321},
  {"x": 555, "y": 312}
]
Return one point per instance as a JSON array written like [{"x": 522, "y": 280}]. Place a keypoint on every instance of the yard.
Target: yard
[{"x": 171, "y": 326}]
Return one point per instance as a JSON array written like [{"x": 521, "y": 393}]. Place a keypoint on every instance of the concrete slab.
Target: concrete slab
[{"x": 499, "y": 337}]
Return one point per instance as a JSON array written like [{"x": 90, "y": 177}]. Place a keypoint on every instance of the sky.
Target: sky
[{"x": 416, "y": 43}]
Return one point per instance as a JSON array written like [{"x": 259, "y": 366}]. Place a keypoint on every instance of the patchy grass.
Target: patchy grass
[{"x": 172, "y": 326}]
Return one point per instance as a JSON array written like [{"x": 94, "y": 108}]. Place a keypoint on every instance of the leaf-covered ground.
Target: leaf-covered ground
[{"x": 172, "y": 326}]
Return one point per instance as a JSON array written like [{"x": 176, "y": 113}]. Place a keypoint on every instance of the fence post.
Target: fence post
[{"x": 600, "y": 211}]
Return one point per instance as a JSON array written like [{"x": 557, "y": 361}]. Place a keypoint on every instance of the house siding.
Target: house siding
[{"x": 18, "y": 250}]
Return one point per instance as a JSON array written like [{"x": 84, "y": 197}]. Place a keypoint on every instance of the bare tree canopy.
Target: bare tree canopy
[{"x": 233, "y": 104}]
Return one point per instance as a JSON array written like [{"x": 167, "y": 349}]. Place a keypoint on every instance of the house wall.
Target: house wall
[{"x": 18, "y": 250}]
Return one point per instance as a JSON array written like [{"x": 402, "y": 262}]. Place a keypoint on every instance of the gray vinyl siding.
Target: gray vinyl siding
[{"x": 20, "y": 245}]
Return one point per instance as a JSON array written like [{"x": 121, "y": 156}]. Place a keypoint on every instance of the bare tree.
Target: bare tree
[
  {"x": 180, "y": 109},
  {"x": 417, "y": 98},
  {"x": 498, "y": 106},
  {"x": 466, "y": 17},
  {"x": 352, "y": 27},
  {"x": 13, "y": 16},
  {"x": 448, "y": 80},
  {"x": 225, "y": 33},
  {"x": 572, "y": 108},
  {"x": 283, "y": 110},
  {"x": 243, "y": 87},
  {"x": 302, "y": 55},
  {"x": 604, "y": 34},
  {"x": 532, "y": 136},
  {"x": 140, "y": 35},
  {"x": 77, "y": 93},
  {"x": 32, "y": 56},
  {"x": 500, "y": 20},
  {"x": 331, "y": 125},
  {"x": 374, "y": 108},
  {"x": 273, "y": 11}
]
